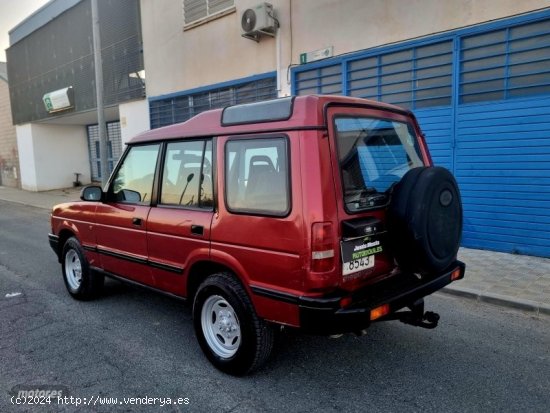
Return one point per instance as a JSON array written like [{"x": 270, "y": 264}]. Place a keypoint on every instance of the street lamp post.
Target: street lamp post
[{"x": 98, "y": 69}]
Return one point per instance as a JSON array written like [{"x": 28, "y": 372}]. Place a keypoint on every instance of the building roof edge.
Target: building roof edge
[{"x": 39, "y": 18}]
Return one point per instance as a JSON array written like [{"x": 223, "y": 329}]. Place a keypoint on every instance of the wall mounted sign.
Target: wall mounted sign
[
  {"x": 316, "y": 55},
  {"x": 59, "y": 100}
]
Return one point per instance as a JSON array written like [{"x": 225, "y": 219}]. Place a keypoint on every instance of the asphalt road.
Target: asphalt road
[{"x": 134, "y": 343}]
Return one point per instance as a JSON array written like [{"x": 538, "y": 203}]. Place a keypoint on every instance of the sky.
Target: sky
[{"x": 13, "y": 12}]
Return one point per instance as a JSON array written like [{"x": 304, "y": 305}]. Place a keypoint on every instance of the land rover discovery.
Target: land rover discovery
[{"x": 321, "y": 213}]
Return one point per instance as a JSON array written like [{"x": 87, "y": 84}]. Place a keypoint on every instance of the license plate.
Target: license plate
[{"x": 358, "y": 254}]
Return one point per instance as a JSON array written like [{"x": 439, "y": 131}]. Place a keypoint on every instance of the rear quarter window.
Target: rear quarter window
[{"x": 257, "y": 176}]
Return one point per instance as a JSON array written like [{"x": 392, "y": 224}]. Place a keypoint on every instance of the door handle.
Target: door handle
[
  {"x": 197, "y": 229},
  {"x": 136, "y": 221}
]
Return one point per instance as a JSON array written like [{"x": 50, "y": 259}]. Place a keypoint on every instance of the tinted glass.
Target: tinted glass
[
  {"x": 373, "y": 154},
  {"x": 133, "y": 182},
  {"x": 187, "y": 175},
  {"x": 256, "y": 174}
]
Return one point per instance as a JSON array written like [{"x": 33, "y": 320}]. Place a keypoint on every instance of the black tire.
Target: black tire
[
  {"x": 425, "y": 220},
  {"x": 221, "y": 311},
  {"x": 81, "y": 283}
]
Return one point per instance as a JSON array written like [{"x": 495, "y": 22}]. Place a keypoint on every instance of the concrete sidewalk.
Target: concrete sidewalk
[
  {"x": 517, "y": 281},
  {"x": 44, "y": 200}
]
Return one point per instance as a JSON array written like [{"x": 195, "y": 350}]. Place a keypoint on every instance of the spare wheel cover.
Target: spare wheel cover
[{"x": 428, "y": 213}]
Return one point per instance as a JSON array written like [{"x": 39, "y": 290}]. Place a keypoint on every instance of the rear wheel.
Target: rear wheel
[
  {"x": 220, "y": 326},
  {"x": 81, "y": 283},
  {"x": 231, "y": 335}
]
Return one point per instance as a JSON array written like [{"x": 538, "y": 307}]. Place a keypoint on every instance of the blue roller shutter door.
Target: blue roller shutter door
[
  {"x": 502, "y": 155},
  {"x": 503, "y": 167},
  {"x": 482, "y": 98}
]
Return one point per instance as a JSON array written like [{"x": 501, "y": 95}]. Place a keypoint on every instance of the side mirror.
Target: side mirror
[
  {"x": 129, "y": 196},
  {"x": 91, "y": 193}
]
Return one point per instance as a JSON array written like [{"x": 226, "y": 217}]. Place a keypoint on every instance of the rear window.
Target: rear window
[{"x": 374, "y": 154}]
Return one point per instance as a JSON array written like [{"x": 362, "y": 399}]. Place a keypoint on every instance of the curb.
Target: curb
[{"x": 497, "y": 299}]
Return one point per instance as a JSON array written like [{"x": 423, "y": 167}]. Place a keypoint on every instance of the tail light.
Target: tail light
[
  {"x": 456, "y": 274},
  {"x": 322, "y": 247}
]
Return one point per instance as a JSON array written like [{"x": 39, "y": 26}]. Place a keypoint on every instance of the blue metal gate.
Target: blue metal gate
[{"x": 482, "y": 97}]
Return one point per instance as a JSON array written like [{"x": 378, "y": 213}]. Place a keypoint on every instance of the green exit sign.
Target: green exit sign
[{"x": 48, "y": 103}]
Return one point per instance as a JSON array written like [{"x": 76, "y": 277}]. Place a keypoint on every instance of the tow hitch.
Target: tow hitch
[{"x": 416, "y": 316}]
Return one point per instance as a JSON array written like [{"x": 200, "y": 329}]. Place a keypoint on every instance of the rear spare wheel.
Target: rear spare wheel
[{"x": 425, "y": 220}]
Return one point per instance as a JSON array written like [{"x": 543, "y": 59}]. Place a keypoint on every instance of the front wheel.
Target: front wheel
[
  {"x": 231, "y": 335},
  {"x": 81, "y": 283}
]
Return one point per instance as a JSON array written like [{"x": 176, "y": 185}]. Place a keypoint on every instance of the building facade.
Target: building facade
[
  {"x": 9, "y": 158},
  {"x": 475, "y": 72},
  {"x": 52, "y": 88}
]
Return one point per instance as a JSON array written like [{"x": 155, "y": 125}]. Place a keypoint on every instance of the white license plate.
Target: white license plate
[{"x": 358, "y": 265}]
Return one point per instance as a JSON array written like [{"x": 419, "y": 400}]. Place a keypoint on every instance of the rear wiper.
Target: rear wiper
[
  {"x": 366, "y": 197},
  {"x": 361, "y": 192}
]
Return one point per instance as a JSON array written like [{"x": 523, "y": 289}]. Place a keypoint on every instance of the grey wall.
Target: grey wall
[{"x": 59, "y": 54}]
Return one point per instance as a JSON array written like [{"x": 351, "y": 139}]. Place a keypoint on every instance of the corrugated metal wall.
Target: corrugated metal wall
[
  {"x": 437, "y": 125},
  {"x": 179, "y": 107},
  {"x": 503, "y": 166},
  {"x": 482, "y": 98}
]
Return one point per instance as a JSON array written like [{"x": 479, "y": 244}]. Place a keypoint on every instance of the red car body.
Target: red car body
[{"x": 290, "y": 263}]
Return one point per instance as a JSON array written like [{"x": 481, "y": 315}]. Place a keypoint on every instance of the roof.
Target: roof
[
  {"x": 3, "y": 71},
  {"x": 307, "y": 112}
]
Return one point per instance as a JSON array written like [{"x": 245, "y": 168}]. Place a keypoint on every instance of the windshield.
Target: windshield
[{"x": 374, "y": 154}]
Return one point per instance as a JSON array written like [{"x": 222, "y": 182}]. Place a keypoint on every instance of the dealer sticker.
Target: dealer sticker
[{"x": 358, "y": 254}]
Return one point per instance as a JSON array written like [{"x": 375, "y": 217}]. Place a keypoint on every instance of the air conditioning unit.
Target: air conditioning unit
[{"x": 259, "y": 20}]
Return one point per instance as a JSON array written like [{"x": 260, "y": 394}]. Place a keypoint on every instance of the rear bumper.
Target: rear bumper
[{"x": 327, "y": 315}]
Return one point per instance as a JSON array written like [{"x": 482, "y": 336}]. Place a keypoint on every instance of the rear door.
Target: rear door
[
  {"x": 371, "y": 151},
  {"x": 258, "y": 228},
  {"x": 122, "y": 220},
  {"x": 178, "y": 227}
]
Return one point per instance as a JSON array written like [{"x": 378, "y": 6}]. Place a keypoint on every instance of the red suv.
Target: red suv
[{"x": 322, "y": 213}]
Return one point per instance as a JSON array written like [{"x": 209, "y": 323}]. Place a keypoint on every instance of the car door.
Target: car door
[
  {"x": 258, "y": 227},
  {"x": 122, "y": 219},
  {"x": 178, "y": 227}
]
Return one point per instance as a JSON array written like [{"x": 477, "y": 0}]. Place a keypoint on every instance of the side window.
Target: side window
[
  {"x": 256, "y": 176},
  {"x": 133, "y": 182},
  {"x": 187, "y": 175}
]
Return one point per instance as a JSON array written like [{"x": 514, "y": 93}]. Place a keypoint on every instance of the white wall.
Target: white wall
[
  {"x": 214, "y": 52},
  {"x": 178, "y": 60},
  {"x": 353, "y": 25},
  {"x": 134, "y": 118},
  {"x": 25, "y": 148},
  {"x": 49, "y": 156}
]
